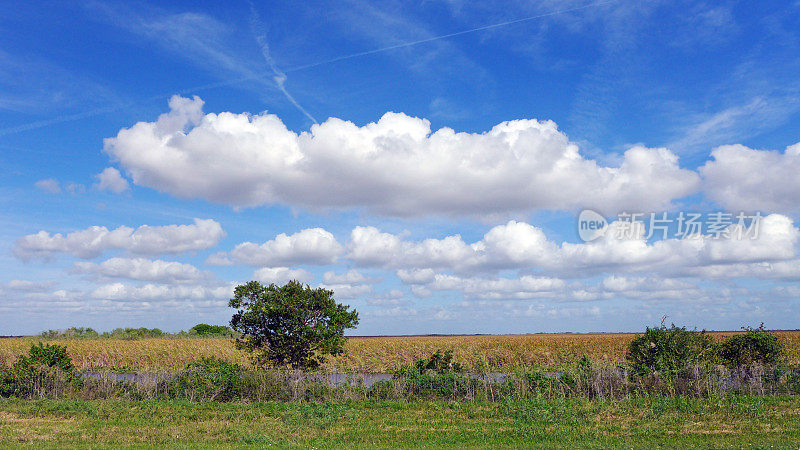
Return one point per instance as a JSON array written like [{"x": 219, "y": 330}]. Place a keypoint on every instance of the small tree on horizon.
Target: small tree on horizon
[{"x": 291, "y": 325}]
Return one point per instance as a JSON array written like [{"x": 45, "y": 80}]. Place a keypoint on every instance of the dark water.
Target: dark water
[
  {"x": 336, "y": 379},
  {"x": 126, "y": 377},
  {"x": 368, "y": 379}
]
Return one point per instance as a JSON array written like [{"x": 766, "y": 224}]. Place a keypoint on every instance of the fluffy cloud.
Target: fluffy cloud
[
  {"x": 145, "y": 240},
  {"x": 395, "y": 166},
  {"x": 518, "y": 245},
  {"x": 371, "y": 247},
  {"x": 111, "y": 180},
  {"x": 309, "y": 246},
  {"x": 743, "y": 179},
  {"x": 143, "y": 269},
  {"x": 776, "y": 240},
  {"x": 60, "y": 300},
  {"x": 617, "y": 283},
  {"x": 351, "y": 284},
  {"x": 775, "y": 270},
  {"x": 522, "y": 287},
  {"x": 526, "y": 287},
  {"x": 397, "y": 311},
  {"x": 513, "y": 245},
  {"x": 651, "y": 288},
  {"x": 50, "y": 185},
  {"x": 352, "y": 276},
  {"x": 281, "y": 275},
  {"x": 342, "y": 291},
  {"x": 416, "y": 276},
  {"x": 159, "y": 292},
  {"x": 28, "y": 286}
]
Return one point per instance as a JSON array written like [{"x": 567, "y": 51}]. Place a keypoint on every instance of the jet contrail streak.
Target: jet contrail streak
[
  {"x": 445, "y": 36},
  {"x": 281, "y": 75}
]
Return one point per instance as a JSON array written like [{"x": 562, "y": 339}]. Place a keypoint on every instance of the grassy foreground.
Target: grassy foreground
[
  {"x": 638, "y": 422},
  {"x": 366, "y": 354}
]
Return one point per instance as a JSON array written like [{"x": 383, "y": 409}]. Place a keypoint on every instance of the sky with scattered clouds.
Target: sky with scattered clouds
[{"x": 425, "y": 161}]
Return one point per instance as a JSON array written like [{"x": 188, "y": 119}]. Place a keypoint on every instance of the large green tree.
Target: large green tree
[{"x": 291, "y": 325}]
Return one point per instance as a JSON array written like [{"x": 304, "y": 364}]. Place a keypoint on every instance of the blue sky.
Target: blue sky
[{"x": 426, "y": 161}]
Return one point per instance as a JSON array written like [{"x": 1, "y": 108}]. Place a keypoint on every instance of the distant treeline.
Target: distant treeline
[{"x": 199, "y": 330}]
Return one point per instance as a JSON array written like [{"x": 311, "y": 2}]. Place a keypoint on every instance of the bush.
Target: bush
[
  {"x": 44, "y": 368},
  {"x": 50, "y": 355},
  {"x": 440, "y": 363},
  {"x": 203, "y": 329},
  {"x": 669, "y": 352},
  {"x": 81, "y": 332},
  {"x": 756, "y": 345},
  {"x": 793, "y": 380},
  {"x": 50, "y": 334},
  {"x": 7, "y": 382},
  {"x": 435, "y": 377},
  {"x": 134, "y": 333},
  {"x": 71, "y": 332},
  {"x": 209, "y": 379}
]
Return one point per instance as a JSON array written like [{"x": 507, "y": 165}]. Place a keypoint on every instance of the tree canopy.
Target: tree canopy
[{"x": 291, "y": 325}]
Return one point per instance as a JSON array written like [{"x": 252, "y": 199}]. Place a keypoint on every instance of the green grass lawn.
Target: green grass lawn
[{"x": 644, "y": 422}]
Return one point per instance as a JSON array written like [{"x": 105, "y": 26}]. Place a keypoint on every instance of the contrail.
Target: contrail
[
  {"x": 445, "y": 36},
  {"x": 281, "y": 75}
]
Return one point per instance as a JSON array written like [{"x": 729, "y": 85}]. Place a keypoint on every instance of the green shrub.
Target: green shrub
[
  {"x": 383, "y": 390},
  {"x": 71, "y": 332},
  {"x": 209, "y": 379},
  {"x": 669, "y": 352},
  {"x": 537, "y": 382},
  {"x": 793, "y": 380},
  {"x": 756, "y": 345},
  {"x": 44, "y": 366},
  {"x": 51, "y": 356},
  {"x": 50, "y": 334},
  {"x": 435, "y": 377},
  {"x": 133, "y": 333},
  {"x": 203, "y": 329},
  {"x": 7, "y": 382},
  {"x": 81, "y": 332},
  {"x": 437, "y": 385},
  {"x": 267, "y": 385},
  {"x": 441, "y": 363}
]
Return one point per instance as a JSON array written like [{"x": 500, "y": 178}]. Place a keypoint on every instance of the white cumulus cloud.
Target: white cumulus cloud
[
  {"x": 521, "y": 287},
  {"x": 343, "y": 290},
  {"x": 111, "y": 180},
  {"x": 145, "y": 240},
  {"x": 395, "y": 166},
  {"x": 518, "y": 245},
  {"x": 310, "y": 246},
  {"x": 142, "y": 269},
  {"x": 160, "y": 292},
  {"x": 352, "y": 276},
  {"x": 281, "y": 275},
  {"x": 743, "y": 179}
]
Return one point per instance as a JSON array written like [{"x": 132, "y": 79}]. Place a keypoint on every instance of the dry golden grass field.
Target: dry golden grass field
[{"x": 364, "y": 354}]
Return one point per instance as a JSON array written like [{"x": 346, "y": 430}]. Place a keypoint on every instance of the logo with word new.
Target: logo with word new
[{"x": 591, "y": 225}]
